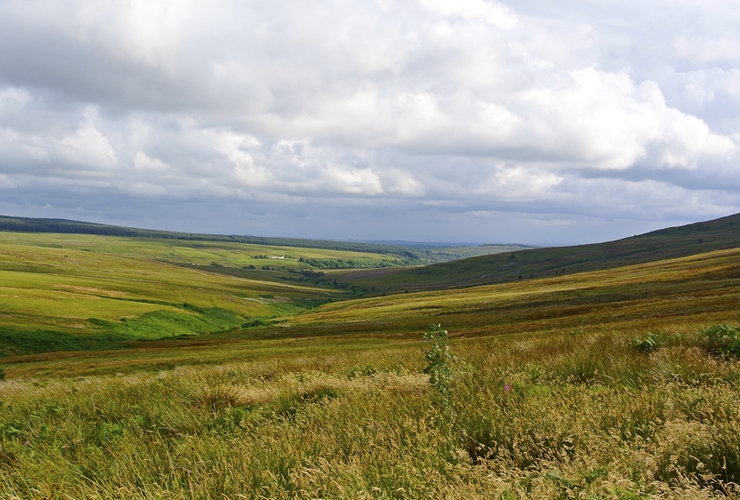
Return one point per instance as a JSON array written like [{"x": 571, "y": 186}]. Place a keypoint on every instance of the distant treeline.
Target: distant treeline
[{"x": 349, "y": 263}]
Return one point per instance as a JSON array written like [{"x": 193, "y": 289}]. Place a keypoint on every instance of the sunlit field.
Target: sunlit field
[
  {"x": 691, "y": 291},
  {"x": 608, "y": 384},
  {"x": 201, "y": 253},
  {"x": 577, "y": 414},
  {"x": 77, "y": 298}
]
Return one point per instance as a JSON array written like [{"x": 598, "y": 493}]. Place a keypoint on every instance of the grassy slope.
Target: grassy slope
[
  {"x": 549, "y": 398},
  {"x": 80, "y": 291},
  {"x": 202, "y": 253},
  {"x": 447, "y": 254},
  {"x": 500, "y": 268},
  {"x": 681, "y": 294},
  {"x": 419, "y": 253},
  {"x": 71, "y": 291},
  {"x": 125, "y": 288},
  {"x": 703, "y": 288},
  {"x": 337, "y": 406},
  {"x": 38, "y": 225}
]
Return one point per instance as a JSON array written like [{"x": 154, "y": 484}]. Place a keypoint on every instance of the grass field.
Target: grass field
[
  {"x": 696, "y": 290},
  {"x": 681, "y": 294},
  {"x": 684, "y": 241},
  {"x": 80, "y": 292},
  {"x": 96, "y": 289},
  {"x": 574, "y": 415},
  {"x": 202, "y": 253},
  {"x": 602, "y": 384},
  {"x": 412, "y": 253}
]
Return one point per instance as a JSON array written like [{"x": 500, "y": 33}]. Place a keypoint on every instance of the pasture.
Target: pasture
[
  {"x": 71, "y": 292},
  {"x": 601, "y": 384}
]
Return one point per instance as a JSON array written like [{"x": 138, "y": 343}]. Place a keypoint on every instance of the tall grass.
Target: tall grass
[{"x": 573, "y": 415}]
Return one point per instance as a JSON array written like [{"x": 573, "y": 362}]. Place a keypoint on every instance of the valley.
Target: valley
[{"x": 151, "y": 368}]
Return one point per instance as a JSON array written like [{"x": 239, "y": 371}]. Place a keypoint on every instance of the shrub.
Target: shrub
[
  {"x": 721, "y": 339},
  {"x": 438, "y": 359},
  {"x": 651, "y": 342}
]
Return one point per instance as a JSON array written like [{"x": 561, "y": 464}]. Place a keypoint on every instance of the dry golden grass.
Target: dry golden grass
[
  {"x": 572, "y": 415},
  {"x": 550, "y": 398}
]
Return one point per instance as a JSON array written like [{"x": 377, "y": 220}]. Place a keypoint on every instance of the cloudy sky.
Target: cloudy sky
[{"x": 532, "y": 121}]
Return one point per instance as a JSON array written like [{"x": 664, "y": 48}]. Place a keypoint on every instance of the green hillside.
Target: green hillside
[
  {"x": 685, "y": 294},
  {"x": 668, "y": 243},
  {"x": 394, "y": 254},
  {"x": 701, "y": 288},
  {"x": 618, "y": 383},
  {"x": 39, "y": 225},
  {"x": 64, "y": 291},
  {"x": 72, "y": 292}
]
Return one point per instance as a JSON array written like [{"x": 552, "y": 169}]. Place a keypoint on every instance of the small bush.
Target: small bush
[
  {"x": 721, "y": 339},
  {"x": 257, "y": 323},
  {"x": 438, "y": 359},
  {"x": 216, "y": 396},
  {"x": 651, "y": 342}
]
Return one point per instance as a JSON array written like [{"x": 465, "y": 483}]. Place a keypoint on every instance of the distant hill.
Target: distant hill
[
  {"x": 663, "y": 244},
  {"x": 412, "y": 254},
  {"x": 36, "y": 225}
]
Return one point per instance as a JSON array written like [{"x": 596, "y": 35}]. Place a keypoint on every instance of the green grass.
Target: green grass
[
  {"x": 82, "y": 297},
  {"x": 620, "y": 383},
  {"x": 62, "y": 226},
  {"x": 698, "y": 291},
  {"x": 701, "y": 290},
  {"x": 69, "y": 291},
  {"x": 369, "y": 254},
  {"x": 158, "y": 324},
  {"x": 202, "y": 253}
]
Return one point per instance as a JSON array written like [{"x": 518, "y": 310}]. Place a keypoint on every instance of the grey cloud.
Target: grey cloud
[{"x": 449, "y": 112}]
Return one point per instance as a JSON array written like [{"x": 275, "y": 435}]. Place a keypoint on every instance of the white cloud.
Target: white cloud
[
  {"x": 235, "y": 147},
  {"x": 498, "y": 15},
  {"x": 520, "y": 184},
  {"x": 13, "y": 99},
  {"x": 708, "y": 50},
  {"x": 352, "y": 181},
  {"x": 142, "y": 161},
  {"x": 76, "y": 144},
  {"x": 712, "y": 93},
  {"x": 401, "y": 183},
  {"x": 86, "y": 147}
]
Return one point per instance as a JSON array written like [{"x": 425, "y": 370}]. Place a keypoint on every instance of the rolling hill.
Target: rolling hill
[
  {"x": 399, "y": 254},
  {"x": 65, "y": 291},
  {"x": 71, "y": 292},
  {"x": 614, "y": 383},
  {"x": 670, "y": 243}
]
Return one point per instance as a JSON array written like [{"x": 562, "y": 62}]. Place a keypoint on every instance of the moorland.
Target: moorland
[{"x": 144, "y": 366}]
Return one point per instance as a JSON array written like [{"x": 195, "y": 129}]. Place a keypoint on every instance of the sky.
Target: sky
[{"x": 532, "y": 122}]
